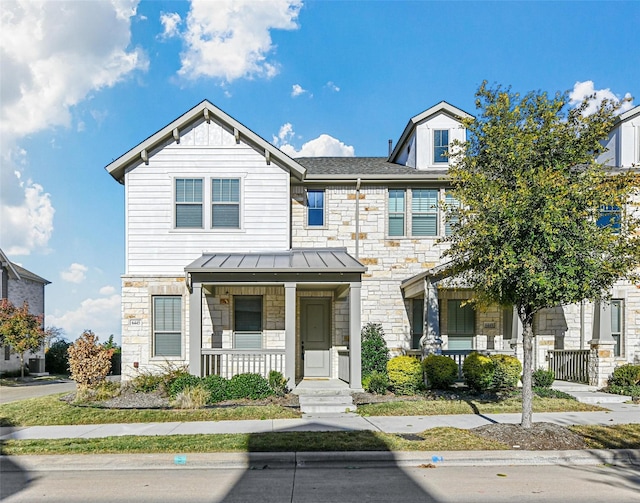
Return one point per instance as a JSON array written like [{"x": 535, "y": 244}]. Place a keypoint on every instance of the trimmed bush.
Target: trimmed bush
[
  {"x": 89, "y": 363},
  {"x": 405, "y": 375},
  {"x": 216, "y": 386},
  {"x": 180, "y": 383},
  {"x": 507, "y": 371},
  {"x": 278, "y": 383},
  {"x": 56, "y": 358},
  {"x": 377, "y": 382},
  {"x": 632, "y": 391},
  {"x": 252, "y": 386},
  {"x": 478, "y": 371},
  {"x": 441, "y": 371},
  {"x": 543, "y": 378},
  {"x": 375, "y": 353},
  {"x": 625, "y": 375}
]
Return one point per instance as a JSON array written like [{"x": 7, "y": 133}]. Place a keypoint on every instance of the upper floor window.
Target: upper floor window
[
  {"x": 396, "y": 212},
  {"x": 167, "y": 326},
  {"x": 610, "y": 216},
  {"x": 188, "y": 201},
  {"x": 225, "y": 203},
  {"x": 440, "y": 145},
  {"x": 315, "y": 208},
  {"x": 424, "y": 212},
  {"x": 451, "y": 204}
]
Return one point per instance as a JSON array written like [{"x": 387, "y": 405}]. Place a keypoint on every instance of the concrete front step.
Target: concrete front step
[
  {"x": 595, "y": 397},
  {"x": 318, "y": 404}
]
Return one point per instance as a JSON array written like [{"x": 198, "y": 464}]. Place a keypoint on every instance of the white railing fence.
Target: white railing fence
[{"x": 229, "y": 362}]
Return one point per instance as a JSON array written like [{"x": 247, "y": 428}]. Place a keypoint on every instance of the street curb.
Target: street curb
[{"x": 302, "y": 460}]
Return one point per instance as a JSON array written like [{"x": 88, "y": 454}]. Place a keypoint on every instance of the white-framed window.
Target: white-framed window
[
  {"x": 225, "y": 203},
  {"x": 440, "y": 146},
  {"x": 247, "y": 321},
  {"x": 424, "y": 212},
  {"x": 617, "y": 326},
  {"x": 610, "y": 217},
  {"x": 188, "y": 203},
  {"x": 451, "y": 204},
  {"x": 167, "y": 326},
  {"x": 461, "y": 323},
  {"x": 315, "y": 207},
  {"x": 396, "y": 213}
]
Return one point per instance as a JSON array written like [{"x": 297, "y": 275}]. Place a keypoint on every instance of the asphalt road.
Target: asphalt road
[
  {"x": 33, "y": 390},
  {"x": 342, "y": 484}
]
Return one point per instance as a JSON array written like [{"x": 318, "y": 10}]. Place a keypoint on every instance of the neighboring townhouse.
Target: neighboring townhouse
[
  {"x": 242, "y": 259},
  {"x": 18, "y": 286}
]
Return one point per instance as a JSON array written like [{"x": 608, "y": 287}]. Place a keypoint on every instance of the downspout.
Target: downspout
[{"x": 357, "y": 218}]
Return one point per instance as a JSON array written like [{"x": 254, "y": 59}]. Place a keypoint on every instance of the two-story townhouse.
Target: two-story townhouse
[
  {"x": 241, "y": 259},
  {"x": 18, "y": 285}
]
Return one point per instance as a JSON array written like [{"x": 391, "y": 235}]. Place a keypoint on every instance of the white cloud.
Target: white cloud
[
  {"x": 170, "y": 22},
  {"x": 322, "y": 146},
  {"x": 331, "y": 86},
  {"x": 53, "y": 54},
  {"x": 230, "y": 39},
  {"x": 583, "y": 89},
  {"x": 297, "y": 90},
  {"x": 107, "y": 290},
  {"x": 102, "y": 316},
  {"x": 27, "y": 214},
  {"x": 75, "y": 273}
]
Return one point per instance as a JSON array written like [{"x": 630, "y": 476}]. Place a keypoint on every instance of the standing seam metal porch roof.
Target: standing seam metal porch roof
[{"x": 299, "y": 260}]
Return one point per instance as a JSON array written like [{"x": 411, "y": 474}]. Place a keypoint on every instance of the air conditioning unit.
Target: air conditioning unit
[{"x": 36, "y": 365}]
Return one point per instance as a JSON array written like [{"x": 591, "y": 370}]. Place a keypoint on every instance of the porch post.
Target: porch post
[
  {"x": 601, "y": 355},
  {"x": 195, "y": 330},
  {"x": 431, "y": 343},
  {"x": 290, "y": 333},
  {"x": 355, "y": 346}
]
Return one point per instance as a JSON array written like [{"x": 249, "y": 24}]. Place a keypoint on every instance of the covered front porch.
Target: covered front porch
[{"x": 297, "y": 312}]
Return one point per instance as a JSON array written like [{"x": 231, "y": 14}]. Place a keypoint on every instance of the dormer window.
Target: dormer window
[{"x": 440, "y": 145}]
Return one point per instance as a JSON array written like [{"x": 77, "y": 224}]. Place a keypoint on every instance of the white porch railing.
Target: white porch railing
[
  {"x": 229, "y": 362},
  {"x": 343, "y": 365},
  {"x": 570, "y": 364},
  {"x": 458, "y": 356}
]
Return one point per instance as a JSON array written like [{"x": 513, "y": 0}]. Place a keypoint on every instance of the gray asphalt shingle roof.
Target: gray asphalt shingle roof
[{"x": 359, "y": 166}]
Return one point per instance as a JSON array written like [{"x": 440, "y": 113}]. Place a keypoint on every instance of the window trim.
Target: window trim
[
  {"x": 403, "y": 213},
  {"x": 154, "y": 331},
  {"x": 308, "y": 224},
  {"x": 226, "y": 203},
  {"x": 189, "y": 203}
]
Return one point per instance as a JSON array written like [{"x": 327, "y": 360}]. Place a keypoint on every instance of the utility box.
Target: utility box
[{"x": 36, "y": 365}]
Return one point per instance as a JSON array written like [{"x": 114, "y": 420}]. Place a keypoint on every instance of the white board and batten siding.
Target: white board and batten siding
[
  {"x": 423, "y": 150},
  {"x": 207, "y": 151}
]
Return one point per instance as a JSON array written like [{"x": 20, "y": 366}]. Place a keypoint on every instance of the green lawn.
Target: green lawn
[
  {"x": 432, "y": 440},
  {"x": 50, "y": 410}
]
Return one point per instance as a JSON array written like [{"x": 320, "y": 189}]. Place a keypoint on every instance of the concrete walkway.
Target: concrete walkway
[{"x": 617, "y": 413}]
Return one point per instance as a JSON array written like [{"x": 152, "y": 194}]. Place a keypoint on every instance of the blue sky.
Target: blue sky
[{"x": 83, "y": 82}]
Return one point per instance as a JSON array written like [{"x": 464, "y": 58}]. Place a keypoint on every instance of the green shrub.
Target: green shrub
[
  {"x": 507, "y": 371},
  {"x": 441, "y": 371},
  {"x": 252, "y": 386},
  {"x": 146, "y": 382},
  {"x": 377, "y": 382},
  {"x": 56, "y": 358},
  {"x": 216, "y": 386},
  {"x": 405, "y": 375},
  {"x": 478, "y": 371},
  {"x": 552, "y": 393},
  {"x": 633, "y": 391},
  {"x": 191, "y": 397},
  {"x": 625, "y": 375},
  {"x": 278, "y": 383},
  {"x": 543, "y": 378},
  {"x": 375, "y": 353},
  {"x": 181, "y": 382}
]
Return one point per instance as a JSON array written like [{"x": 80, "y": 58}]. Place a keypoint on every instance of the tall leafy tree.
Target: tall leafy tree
[
  {"x": 20, "y": 330},
  {"x": 530, "y": 231}
]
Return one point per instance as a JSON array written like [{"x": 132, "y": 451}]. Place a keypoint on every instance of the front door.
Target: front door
[{"x": 315, "y": 336}]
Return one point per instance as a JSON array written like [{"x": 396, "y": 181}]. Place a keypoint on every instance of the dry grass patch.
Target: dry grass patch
[{"x": 620, "y": 436}]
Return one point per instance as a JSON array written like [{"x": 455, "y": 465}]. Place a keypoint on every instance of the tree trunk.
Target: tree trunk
[
  {"x": 527, "y": 391},
  {"x": 22, "y": 366}
]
